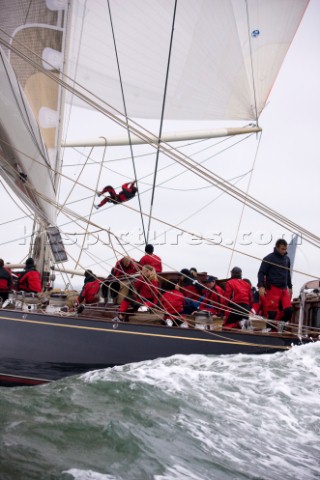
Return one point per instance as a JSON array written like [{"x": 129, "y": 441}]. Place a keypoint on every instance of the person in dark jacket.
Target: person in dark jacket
[
  {"x": 127, "y": 193},
  {"x": 30, "y": 278},
  {"x": 5, "y": 281},
  {"x": 274, "y": 282},
  {"x": 238, "y": 294}
]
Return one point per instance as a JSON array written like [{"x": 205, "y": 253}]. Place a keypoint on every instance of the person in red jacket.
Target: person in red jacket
[
  {"x": 191, "y": 289},
  {"x": 151, "y": 259},
  {"x": 146, "y": 292},
  {"x": 124, "y": 267},
  {"x": 5, "y": 281},
  {"x": 30, "y": 278},
  {"x": 127, "y": 193},
  {"x": 121, "y": 276},
  {"x": 213, "y": 299},
  {"x": 172, "y": 302},
  {"x": 239, "y": 294},
  {"x": 90, "y": 290}
]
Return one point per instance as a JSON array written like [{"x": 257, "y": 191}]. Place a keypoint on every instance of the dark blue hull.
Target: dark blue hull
[{"x": 36, "y": 348}]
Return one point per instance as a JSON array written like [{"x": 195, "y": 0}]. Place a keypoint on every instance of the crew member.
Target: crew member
[
  {"x": 5, "y": 281},
  {"x": 90, "y": 290},
  {"x": 212, "y": 300},
  {"x": 274, "y": 282},
  {"x": 172, "y": 301},
  {"x": 127, "y": 193},
  {"x": 121, "y": 278},
  {"x": 239, "y": 294},
  {"x": 30, "y": 278},
  {"x": 146, "y": 292},
  {"x": 151, "y": 259}
]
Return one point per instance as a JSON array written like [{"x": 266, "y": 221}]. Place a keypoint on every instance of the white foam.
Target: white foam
[
  {"x": 88, "y": 475},
  {"x": 240, "y": 407}
]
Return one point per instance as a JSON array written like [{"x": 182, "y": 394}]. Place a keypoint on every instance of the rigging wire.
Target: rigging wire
[
  {"x": 244, "y": 204},
  {"x": 162, "y": 117},
  {"x": 79, "y": 217},
  {"x": 26, "y": 215},
  {"x": 160, "y": 185},
  {"x": 181, "y": 159},
  {"x": 92, "y": 204},
  {"x": 126, "y": 118},
  {"x": 165, "y": 223},
  {"x": 75, "y": 182}
]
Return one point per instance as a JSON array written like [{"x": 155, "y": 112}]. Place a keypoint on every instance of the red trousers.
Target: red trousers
[
  {"x": 125, "y": 304},
  {"x": 277, "y": 299}
]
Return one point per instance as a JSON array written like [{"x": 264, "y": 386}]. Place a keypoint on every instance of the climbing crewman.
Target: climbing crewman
[{"x": 127, "y": 193}]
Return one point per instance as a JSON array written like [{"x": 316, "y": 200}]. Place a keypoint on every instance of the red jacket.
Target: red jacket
[
  {"x": 212, "y": 299},
  {"x": 126, "y": 192},
  {"x": 152, "y": 260},
  {"x": 147, "y": 289},
  {"x": 191, "y": 292},
  {"x": 89, "y": 292},
  {"x": 172, "y": 301},
  {"x": 5, "y": 280},
  {"x": 119, "y": 270},
  {"x": 30, "y": 281},
  {"x": 239, "y": 291}
]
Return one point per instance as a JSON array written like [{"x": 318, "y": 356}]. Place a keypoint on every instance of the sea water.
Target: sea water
[{"x": 184, "y": 417}]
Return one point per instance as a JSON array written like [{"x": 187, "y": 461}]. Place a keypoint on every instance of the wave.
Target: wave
[{"x": 191, "y": 417}]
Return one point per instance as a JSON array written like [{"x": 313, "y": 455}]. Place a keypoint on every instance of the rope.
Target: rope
[
  {"x": 174, "y": 156},
  {"x": 74, "y": 215},
  {"x": 244, "y": 204},
  {"x": 180, "y": 158},
  {"x": 161, "y": 119},
  {"x": 92, "y": 204},
  {"x": 126, "y": 118}
]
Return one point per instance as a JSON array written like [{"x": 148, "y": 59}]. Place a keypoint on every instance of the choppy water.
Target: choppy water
[{"x": 186, "y": 417}]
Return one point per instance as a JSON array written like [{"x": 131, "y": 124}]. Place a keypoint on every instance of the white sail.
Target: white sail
[
  {"x": 225, "y": 56},
  {"x": 32, "y": 39},
  {"x": 222, "y": 63},
  {"x": 23, "y": 158}
]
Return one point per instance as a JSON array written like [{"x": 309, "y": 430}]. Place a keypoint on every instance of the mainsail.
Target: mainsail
[{"x": 225, "y": 55}]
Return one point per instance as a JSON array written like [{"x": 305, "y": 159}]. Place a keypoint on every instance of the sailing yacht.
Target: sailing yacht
[{"x": 95, "y": 94}]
